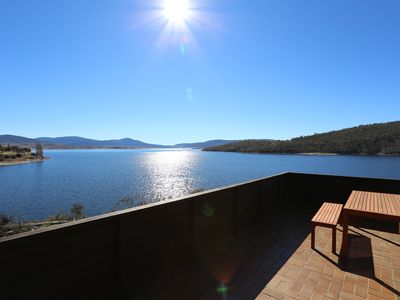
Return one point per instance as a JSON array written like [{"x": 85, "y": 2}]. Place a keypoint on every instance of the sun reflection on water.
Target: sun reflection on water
[{"x": 170, "y": 173}]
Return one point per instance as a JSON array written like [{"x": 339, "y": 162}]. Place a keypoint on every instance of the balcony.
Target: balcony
[{"x": 246, "y": 241}]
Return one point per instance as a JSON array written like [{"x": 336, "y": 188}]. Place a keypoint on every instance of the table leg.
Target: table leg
[
  {"x": 334, "y": 239},
  {"x": 312, "y": 236},
  {"x": 345, "y": 237}
]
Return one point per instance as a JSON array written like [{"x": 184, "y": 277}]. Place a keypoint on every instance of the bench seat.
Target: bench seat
[{"x": 327, "y": 216}]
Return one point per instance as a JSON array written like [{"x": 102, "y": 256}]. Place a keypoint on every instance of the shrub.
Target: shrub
[
  {"x": 59, "y": 216},
  {"x": 4, "y": 220},
  {"x": 77, "y": 211}
]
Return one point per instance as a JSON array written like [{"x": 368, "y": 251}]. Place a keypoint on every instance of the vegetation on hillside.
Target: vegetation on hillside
[{"x": 374, "y": 139}]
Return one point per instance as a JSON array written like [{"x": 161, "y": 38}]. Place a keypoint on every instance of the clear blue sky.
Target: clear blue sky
[{"x": 237, "y": 69}]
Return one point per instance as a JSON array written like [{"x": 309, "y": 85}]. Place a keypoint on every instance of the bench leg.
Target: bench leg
[
  {"x": 313, "y": 236},
  {"x": 334, "y": 239}
]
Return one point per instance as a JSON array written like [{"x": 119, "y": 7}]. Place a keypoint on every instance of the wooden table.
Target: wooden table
[{"x": 370, "y": 205}]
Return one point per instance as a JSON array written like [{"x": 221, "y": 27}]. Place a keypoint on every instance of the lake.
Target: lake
[{"x": 99, "y": 179}]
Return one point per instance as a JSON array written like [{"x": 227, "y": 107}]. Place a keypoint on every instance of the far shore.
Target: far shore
[
  {"x": 318, "y": 153},
  {"x": 26, "y": 161}
]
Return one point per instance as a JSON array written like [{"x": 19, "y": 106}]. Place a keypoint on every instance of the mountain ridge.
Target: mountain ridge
[
  {"x": 71, "y": 142},
  {"x": 77, "y": 141},
  {"x": 210, "y": 143},
  {"x": 370, "y": 139}
]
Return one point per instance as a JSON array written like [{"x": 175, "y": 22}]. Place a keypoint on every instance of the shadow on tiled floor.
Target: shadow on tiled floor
[
  {"x": 372, "y": 270},
  {"x": 242, "y": 268},
  {"x": 360, "y": 259},
  {"x": 275, "y": 261}
]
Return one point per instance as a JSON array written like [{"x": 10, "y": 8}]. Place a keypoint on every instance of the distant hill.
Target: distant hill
[
  {"x": 374, "y": 139},
  {"x": 68, "y": 142},
  {"x": 76, "y": 141},
  {"x": 15, "y": 140},
  {"x": 211, "y": 143}
]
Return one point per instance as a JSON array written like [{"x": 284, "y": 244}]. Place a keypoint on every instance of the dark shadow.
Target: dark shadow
[
  {"x": 375, "y": 224},
  {"x": 326, "y": 257},
  {"x": 360, "y": 258},
  {"x": 390, "y": 288},
  {"x": 241, "y": 268},
  {"x": 379, "y": 237},
  {"x": 243, "y": 265},
  {"x": 350, "y": 230}
]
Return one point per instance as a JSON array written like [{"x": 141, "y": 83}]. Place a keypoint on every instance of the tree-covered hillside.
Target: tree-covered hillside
[{"x": 374, "y": 139}]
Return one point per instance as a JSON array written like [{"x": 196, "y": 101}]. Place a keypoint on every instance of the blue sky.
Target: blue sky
[{"x": 235, "y": 70}]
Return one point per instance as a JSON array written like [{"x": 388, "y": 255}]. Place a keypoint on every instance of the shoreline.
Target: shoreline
[
  {"x": 11, "y": 163},
  {"x": 306, "y": 153},
  {"x": 319, "y": 153}
]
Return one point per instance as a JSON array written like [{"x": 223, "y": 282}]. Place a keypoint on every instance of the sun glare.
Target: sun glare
[
  {"x": 176, "y": 11},
  {"x": 175, "y": 20}
]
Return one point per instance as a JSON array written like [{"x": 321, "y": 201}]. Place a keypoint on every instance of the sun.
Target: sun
[
  {"x": 177, "y": 22},
  {"x": 176, "y": 11}
]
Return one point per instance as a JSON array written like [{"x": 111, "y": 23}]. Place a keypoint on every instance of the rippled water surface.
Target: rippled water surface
[{"x": 99, "y": 179}]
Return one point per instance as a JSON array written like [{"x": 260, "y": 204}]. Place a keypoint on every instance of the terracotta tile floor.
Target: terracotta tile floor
[
  {"x": 372, "y": 270},
  {"x": 275, "y": 261}
]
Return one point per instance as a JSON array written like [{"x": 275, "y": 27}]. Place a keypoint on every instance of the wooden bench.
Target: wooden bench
[{"x": 327, "y": 216}]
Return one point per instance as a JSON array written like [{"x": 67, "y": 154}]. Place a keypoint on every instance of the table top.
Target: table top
[{"x": 376, "y": 203}]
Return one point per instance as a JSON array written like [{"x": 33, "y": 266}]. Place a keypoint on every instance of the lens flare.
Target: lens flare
[{"x": 222, "y": 289}]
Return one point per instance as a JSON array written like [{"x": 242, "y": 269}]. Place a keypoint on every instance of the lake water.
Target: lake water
[{"x": 100, "y": 178}]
